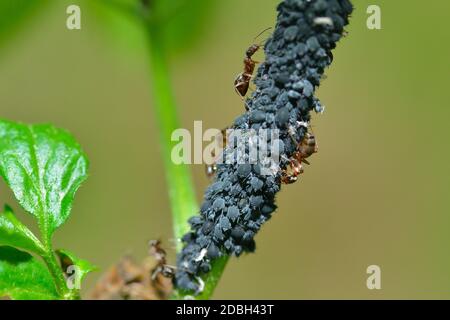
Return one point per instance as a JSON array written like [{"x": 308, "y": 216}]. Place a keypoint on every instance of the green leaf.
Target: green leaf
[
  {"x": 14, "y": 233},
  {"x": 68, "y": 259},
  {"x": 23, "y": 277},
  {"x": 14, "y": 13},
  {"x": 44, "y": 167}
]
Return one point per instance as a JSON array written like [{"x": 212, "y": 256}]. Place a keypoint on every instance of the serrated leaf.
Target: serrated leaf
[
  {"x": 14, "y": 233},
  {"x": 83, "y": 267},
  {"x": 23, "y": 277},
  {"x": 44, "y": 167},
  {"x": 14, "y": 13}
]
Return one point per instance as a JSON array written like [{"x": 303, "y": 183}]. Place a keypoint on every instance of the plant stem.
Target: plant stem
[
  {"x": 179, "y": 179},
  {"x": 213, "y": 277},
  {"x": 49, "y": 258},
  {"x": 57, "y": 274}
]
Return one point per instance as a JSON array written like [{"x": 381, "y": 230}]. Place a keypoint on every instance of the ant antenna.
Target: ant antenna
[{"x": 261, "y": 33}]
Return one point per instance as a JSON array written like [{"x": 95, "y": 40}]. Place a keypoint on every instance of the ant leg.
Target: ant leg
[
  {"x": 306, "y": 161},
  {"x": 155, "y": 272}
]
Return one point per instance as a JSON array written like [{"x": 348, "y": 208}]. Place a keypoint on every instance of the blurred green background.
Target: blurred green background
[{"x": 376, "y": 193}]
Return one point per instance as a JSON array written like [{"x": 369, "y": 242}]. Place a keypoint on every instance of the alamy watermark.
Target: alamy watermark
[
  {"x": 374, "y": 279},
  {"x": 373, "y": 22},
  {"x": 230, "y": 146},
  {"x": 73, "y": 21},
  {"x": 73, "y": 277}
]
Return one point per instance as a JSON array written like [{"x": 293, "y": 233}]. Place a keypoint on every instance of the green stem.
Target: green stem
[
  {"x": 179, "y": 180},
  {"x": 181, "y": 187},
  {"x": 57, "y": 274},
  {"x": 49, "y": 258},
  {"x": 213, "y": 277}
]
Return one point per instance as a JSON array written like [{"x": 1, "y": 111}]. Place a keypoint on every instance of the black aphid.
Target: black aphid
[{"x": 242, "y": 199}]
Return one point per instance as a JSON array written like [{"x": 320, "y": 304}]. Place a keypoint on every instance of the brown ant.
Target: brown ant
[
  {"x": 306, "y": 148},
  {"x": 242, "y": 81},
  {"x": 296, "y": 168},
  {"x": 159, "y": 254}
]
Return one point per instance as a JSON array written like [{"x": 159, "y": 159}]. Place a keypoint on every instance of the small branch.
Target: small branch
[
  {"x": 242, "y": 198},
  {"x": 212, "y": 279},
  {"x": 57, "y": 274},
  {"x": 53, "y": 266},
  {"x": 179, "y": 180},
  {"x": 181, "y": 189}
]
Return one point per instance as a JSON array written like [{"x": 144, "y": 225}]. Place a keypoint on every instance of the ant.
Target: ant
[
  {"x": 306, "y": 148},
  {"x": 159, "y": 254},
  {"x": 296, "y": 168},
  {"x": 242, "y": 81}
]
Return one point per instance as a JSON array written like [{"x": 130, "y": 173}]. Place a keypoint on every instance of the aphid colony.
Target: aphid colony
[
  {"x": 241, "y": 199},
  {"x": 305, "y": 148}
]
